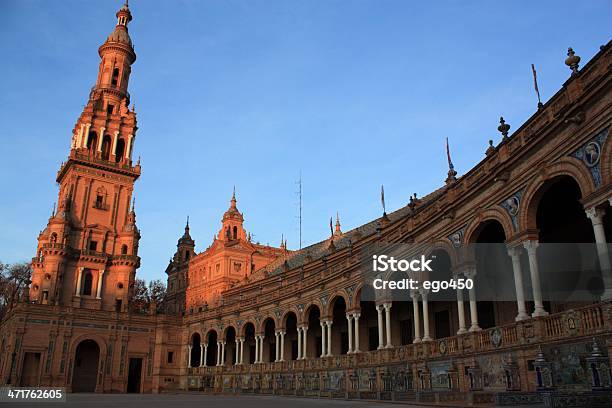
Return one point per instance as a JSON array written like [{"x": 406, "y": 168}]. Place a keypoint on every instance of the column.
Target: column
[
  {"x": 460, "y": 311},
  {"x": 305, "y": 338},
  {"x": 416, "y": 317},
  {"x": 387, "y": 307},
  {"x": 256, "y": 349},
  {"x": 189, "y": 356},
  {"x": 515, "y": 254},
  {"x": 79, "y": 139},
  {"x": 356, "y": 316},
  {"x": 114, "y": 146},
  {"x": 531, "y": 247},
  {"x": 261, "y": 339},
  {"x": 379, "y": 309},
  {"x": 276, "y": 346},
  {"x": 86, "y": 139},
  {"x": 128, "y": 148},
  {"x": 100, "y": 138},
  {"x": 299, "y": 341},
  {"x": 237, "y": 353},
  {"x": 329, "y": 338},
  {"x": 223, "y": 352},
  {"x": 78, "y": 284},
  {"x": 201, "y": 354},
  {"x": 99, "y": 290},
  {"x": 323, "y": 340},
  {"x": 218, "y": 353},
  {"x": 426, "y": 336},
  {"x": 596, "y": 215},
  {"x": 282, "y": 346},
  {"x": 471, "y": 274},
  {"x": 350, "y": 333},
  {"x": 205, "y": 357},
  {"x": 241, "y": 350}
]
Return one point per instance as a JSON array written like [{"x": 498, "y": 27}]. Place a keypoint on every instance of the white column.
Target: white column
[
  {"x": 282, "y": 346},
  {"x": 379, "y": 309},
  {"x": 218, "y": 353},
  {"x": 515, "y": 254},
  {"x": 78, "y": 284},
  {"x": 86, "y": 138},
  {"x": 99, "y": 290},
  {"x": 416, "y": 317},
  {"x": 471, "y": 274},
  {"x": 356, "y": 316},
  {"x": 256, "y": 349},
  {"x": 305, "y": 339},
  {"x": 426, "y": 336},
  {"x": 237, "y": 352},
  {"x": 323, "y": 340},
  {"x": 114, "y": 147},
  {"x": 79, "y": 139},
  {"x": 531, "y": 247},
  {"x": 242, "y": 350},
  {"x": 261, "y": 339},
  {"x": 223, "y": 352},
  {"x": 329, "y": 338},
  {"x": 201, "y": 354},
  {"x": 350, "y": 333},
  {"x": 205, "y": 355},
  {"x": 596, "y": 215},
  {"x": 128, "y": 148},
  {"x": 461, "y": 312},
  {"x": 189, "y": 356},
  {"x": 387, "y": 307},
  {"x": 299, "y": 341},
  {"x": 276, "y": 346},
  {"x": 100, "y": 138}
]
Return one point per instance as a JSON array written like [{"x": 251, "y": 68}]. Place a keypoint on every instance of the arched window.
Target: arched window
[
  {"x": 235, "y": 232},
  {"x": 92, "y": 141},
  {"x": 106, "y": 147},
  {"x": 124, "y": 249},
  {"x": 87, "y": 283},
  {"x": 53, "y": 239},
  {"x": 187, "y": 255},
  {"x": 115, "y": 78},
  {"x": 119, "y": 150}
]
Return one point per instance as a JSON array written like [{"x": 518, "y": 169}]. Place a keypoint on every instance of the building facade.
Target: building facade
[{"x": 245, "y": 318}]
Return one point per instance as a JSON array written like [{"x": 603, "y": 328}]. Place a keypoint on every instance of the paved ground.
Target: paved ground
[{"x": 201, "y": 401}]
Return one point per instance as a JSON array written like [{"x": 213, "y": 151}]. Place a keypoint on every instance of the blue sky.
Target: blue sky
[{"x": 352, "y": 94}]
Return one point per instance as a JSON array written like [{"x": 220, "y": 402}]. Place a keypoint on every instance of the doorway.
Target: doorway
[
  {"x": 29, "y": 372},
  {"x": 134, "y": 375},
  {"x": 85, "y": 373}
]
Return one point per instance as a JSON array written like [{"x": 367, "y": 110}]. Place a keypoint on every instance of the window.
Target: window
[
  {"x": 106, "y": 147},
  {"x": 45, "y": 297},
  {"x": 53, "y": 239},
  {"x": 115, "y": 78},
  {"x": 119, "y": 150},
  {"x": 170, "y": 357},
  {"x": 235, "y": 232},
  {"x": 110, "y": 108},
  {"x": 99, "y": 201},
  {"x": 87, "y": 283},
  {"x": 124, "y": 249},
  {"x": 118, "y": 305},
  {"x": 93, "y": 246}
]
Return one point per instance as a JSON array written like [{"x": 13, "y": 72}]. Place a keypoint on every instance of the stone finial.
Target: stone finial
[
  {"x": 503, "y": 127},
  {"x": 572, "y": 60}
]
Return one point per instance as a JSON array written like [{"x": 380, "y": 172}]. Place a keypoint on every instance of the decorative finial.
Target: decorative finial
[
  {"x": 53, "y": 212},
  {"x": 187, "y": 225},
  {"x": 282, "y": 244},
  {"x": 535, "y": 85},
  {"x": 572, "y": 60},
  {"x": 382, "y": 199},
  {"x": 331, "y": 228},
  {"x": 133, "y": 203},
  {"x": 338, "y": 231},
  {"x": 503, "y": 127},
  {"x": 452, "y": 174}
]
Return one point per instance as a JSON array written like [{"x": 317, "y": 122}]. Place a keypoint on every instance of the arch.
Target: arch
[
  {"x": 87, "y": 358},
  {"x": 106, "y": 147},
  {"x": 496, "y": 213},
  {"x": 119, "y": 150},
  {"x": 264, "y": 321},
  {"x": 235, "y": 231},
  {"x": 124, "y": 249},
  {"x": 567, "y": 166},
  {"x": 243, "y": 328},
  {"x": 314, "y": 304},
  {"x": 92, "y": 141},
  {"x": 340, "y": 294},
  {"x": 248, "y": 332},
  {"x": 290, "y": 323},
  {"x": 605, "y": 161},
  {"x": 446, "y": 246},
  {"x": 226, "y": 331},
  {"x": 211, "y": 340},
  {"x": 53, "y": 238},
  {"x": 196, "y": 351},
  {"x": 87, "y": 287}
]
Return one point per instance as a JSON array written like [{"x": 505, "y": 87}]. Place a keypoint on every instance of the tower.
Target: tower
[
  {"x": 232, "y": 228},
  {"x": 87, "y": 255}
]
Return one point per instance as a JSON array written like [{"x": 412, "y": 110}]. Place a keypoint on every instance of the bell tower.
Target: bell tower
[{"x": 87, "y": 255}]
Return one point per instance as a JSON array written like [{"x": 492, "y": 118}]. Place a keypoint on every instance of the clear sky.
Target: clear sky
[{"x": 352, "y": 94}]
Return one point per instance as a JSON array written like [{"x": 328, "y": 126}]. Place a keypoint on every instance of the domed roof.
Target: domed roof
[{"x": 120, "y": 35}]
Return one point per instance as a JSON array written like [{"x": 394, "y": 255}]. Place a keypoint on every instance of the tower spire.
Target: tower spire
[
  {"x": 338, "y": 231},
  {"x": 452, "y": 174}
]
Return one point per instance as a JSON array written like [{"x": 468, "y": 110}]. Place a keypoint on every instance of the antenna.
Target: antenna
[{"x": 299, "y": 193}]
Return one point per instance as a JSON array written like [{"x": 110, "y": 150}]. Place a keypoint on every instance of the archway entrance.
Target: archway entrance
[{"x": 85, "y": 372}]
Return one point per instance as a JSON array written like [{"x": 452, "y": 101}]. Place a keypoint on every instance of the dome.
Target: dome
[{"x": 120, "y": 35}]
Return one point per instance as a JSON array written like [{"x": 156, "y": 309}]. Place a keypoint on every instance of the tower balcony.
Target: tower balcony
[{"x": 86, "y": 157}]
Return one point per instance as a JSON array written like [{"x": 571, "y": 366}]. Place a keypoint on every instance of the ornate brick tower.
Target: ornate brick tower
[{"x": 87, "y": 254}]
